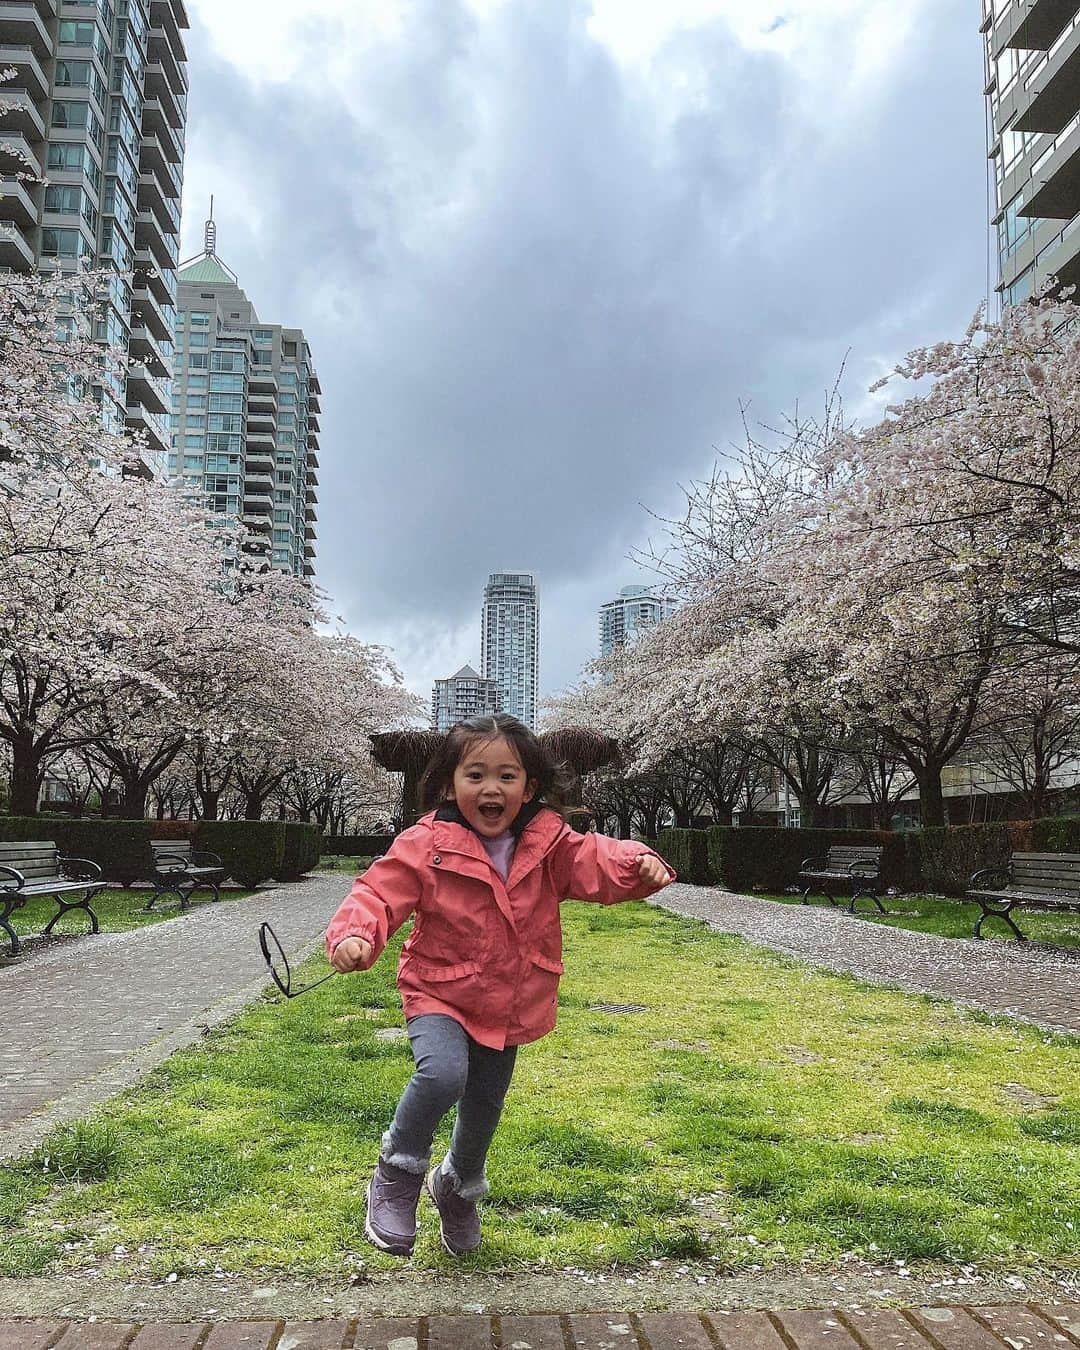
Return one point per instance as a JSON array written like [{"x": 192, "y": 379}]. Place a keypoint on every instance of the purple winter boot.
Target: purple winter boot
[
  {"x": 459, "y": 1223},
  {"x": 392, "y": 1196}
]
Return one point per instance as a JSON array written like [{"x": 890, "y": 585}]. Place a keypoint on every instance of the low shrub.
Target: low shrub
[
  {"x": 121, "y": 848},
  {"x": 252, "y": 851},
  {"x": 303, "y": 845},
  {"x": 769, "y": 858},
  {"x": 355, "y": 845},
  {"x": 688, "y": 852}
]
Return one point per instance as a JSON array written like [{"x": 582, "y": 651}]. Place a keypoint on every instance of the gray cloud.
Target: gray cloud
[{"x": 536, "y": 291}]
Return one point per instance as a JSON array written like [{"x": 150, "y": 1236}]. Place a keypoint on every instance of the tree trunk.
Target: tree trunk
[
  {"x": 136, "y": 790},
  {"x": 26, "y": 777},
  {"x": 211, "y": 802},
  {"x": 931, "y": 797},
  {"x": 254, "y": 804}
]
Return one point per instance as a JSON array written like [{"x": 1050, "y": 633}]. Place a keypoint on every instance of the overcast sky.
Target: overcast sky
[{"x": 542, "y": 248}]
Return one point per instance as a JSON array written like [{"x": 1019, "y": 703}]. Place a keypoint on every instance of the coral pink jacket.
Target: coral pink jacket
[{"x": 485, "y": 952}]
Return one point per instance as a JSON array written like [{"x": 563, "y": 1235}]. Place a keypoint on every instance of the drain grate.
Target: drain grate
[{"x": 619, "y": 1007}]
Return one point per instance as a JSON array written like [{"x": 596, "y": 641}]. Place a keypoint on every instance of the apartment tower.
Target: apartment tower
[
  {"x": 1032, "y": 51},
  {"x": 636, "y": 607},
  {"x": 91, "y": 158},
  {"x": 510, "y": 641},
  {"x": 245, "y": 413},
  {"x": 466, "y": 694}
]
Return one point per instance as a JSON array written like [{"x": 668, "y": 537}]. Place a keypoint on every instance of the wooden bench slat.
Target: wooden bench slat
[{"x": 1046, "y": 881}]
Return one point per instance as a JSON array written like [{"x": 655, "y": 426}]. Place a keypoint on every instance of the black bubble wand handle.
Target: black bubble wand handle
[{"x": 278, "y": 964}]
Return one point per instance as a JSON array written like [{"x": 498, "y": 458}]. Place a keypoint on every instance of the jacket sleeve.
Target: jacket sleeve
[
  {"x": 383, "y": 898},
  {"x": 604, "y": 870}
]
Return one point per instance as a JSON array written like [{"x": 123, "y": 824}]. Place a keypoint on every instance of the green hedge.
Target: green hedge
[
  {"x": 252, "y": 851},
  {"x": 121, "y": 848},
  {"x": 688, "y": 852},
  {"x": 948, "y": 857},
  {"x": 303, "y": 845},
  {"x": 355, "y": 845},
  {"x": 769, "y": 858}
]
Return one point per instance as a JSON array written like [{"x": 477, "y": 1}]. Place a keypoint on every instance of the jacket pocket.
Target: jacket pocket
[
  {"x": 551, "y": 963},
  {"x": 437, "y": 974}
]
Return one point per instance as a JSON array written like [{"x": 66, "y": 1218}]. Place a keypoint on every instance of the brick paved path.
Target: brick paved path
[
  {"x": 86, "y": 1018},
  {"x": 1027, "y": 981},
  {"x": 1013, "y": 1327}
]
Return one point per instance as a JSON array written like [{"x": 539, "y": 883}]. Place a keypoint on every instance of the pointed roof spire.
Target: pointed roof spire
[{"x": 207, "y": 268}]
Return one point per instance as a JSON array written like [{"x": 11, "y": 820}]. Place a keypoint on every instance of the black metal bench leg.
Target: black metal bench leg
[
  {"x": 806, "y": 895},
  {"x": 13, "y": 937},
  {"x": 217, "y": 892},
  {"x": 988, "y": 913},
  {"x": 65, "y": 907}
]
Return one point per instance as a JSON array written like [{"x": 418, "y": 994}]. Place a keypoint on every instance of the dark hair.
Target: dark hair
[{"x": 552, "y": 779}]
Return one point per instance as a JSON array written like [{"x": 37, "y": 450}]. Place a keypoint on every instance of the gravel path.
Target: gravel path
[
  {"x": 85, "y": 1019},
  {"x": 1030, "y": 982}
]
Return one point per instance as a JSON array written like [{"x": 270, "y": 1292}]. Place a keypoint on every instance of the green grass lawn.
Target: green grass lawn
[
  {"x": 954, "y": 919},
  {"x": 118, "y": 911},
  {"x": 758, "y": 1112},
  {"x": 341, "y": 863}
]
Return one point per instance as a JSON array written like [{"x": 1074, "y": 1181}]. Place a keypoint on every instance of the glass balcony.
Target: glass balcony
[
  {"x": 16, "y": 204},
  {"x": 15, "y": 253},
  {"x": 21, "y": 25},
  {"x": 29, "y": 74}
]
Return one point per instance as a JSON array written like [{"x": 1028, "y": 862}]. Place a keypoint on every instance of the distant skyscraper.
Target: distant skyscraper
[
  {"x": 510, "y": 641},
  {"x": 637, "y": 607},
  {"x": 96, "y": 113},
  {"x": 1032, "y": 58},
  {"x": 245, "y": 425},
  {"x": 466, "y": 694}
]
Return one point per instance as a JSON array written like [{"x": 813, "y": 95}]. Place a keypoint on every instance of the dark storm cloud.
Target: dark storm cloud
[{"x": 536, "y": 288}]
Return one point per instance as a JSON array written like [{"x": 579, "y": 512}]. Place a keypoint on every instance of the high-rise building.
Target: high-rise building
[
  {"x": 245, "y": 413},
  {"x": 98, "y": 107},
  {"x": 637, "y": 607},
  {"x": 466, "y": 694},
  {"x": 510, "y": 641},
  {"x": 1032, "y": 50}
]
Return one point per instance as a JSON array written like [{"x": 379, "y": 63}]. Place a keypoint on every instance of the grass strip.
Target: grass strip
[
  {"x": 118, "y": 911},
  {"x": 758, "y": 1112}
]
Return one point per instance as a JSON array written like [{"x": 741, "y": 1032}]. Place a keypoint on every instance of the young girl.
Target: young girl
[{"x": 484, "y": 874}]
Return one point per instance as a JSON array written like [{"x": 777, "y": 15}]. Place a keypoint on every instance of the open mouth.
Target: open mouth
[{"x": 491, "y": 812}]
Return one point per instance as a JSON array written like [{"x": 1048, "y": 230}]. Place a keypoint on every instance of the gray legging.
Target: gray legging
[{"x": 450, "y": 1067}]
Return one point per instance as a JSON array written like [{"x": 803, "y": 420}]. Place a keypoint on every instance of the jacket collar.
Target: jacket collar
[
  {"x": 537, "y": 827},
  {"x": 449, "y": 811}
]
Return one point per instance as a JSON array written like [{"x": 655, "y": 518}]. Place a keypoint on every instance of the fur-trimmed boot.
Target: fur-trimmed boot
[
  {"x": 392, "y": 1196},
  {"x": 459, "y": 1222}
]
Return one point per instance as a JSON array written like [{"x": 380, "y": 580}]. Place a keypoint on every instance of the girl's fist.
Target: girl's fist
[
  {"x": 351, "y": 954},
  {"x": 653, "y": 871}
]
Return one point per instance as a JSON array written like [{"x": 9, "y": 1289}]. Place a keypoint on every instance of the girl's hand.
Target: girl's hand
[
  {"x": 351, "y": 954},
  {"x": 653, "y": 871}
]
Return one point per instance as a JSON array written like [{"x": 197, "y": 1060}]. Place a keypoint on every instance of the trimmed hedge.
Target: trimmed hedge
[
  {"x": 948, "y": 857},
  {"x": 688, "y": 852},
  {"x": 769, "y": 857},
  {"x": 252, "y": 851},
  {"x": 303, "y": 843},
  {"x": 121, "y": 848},
  {"x": 360, "y": 845}
]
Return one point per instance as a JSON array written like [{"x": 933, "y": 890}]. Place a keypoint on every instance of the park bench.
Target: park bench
[
  {"x": 30, "y": 868},
  {"x": 1046, "y": 881},
  {"x": 178, "y": 870},
  {"x": 844, "y": 865}
]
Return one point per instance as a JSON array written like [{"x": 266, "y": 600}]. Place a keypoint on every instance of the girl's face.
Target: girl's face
[{"x": 490, "y": 786}]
